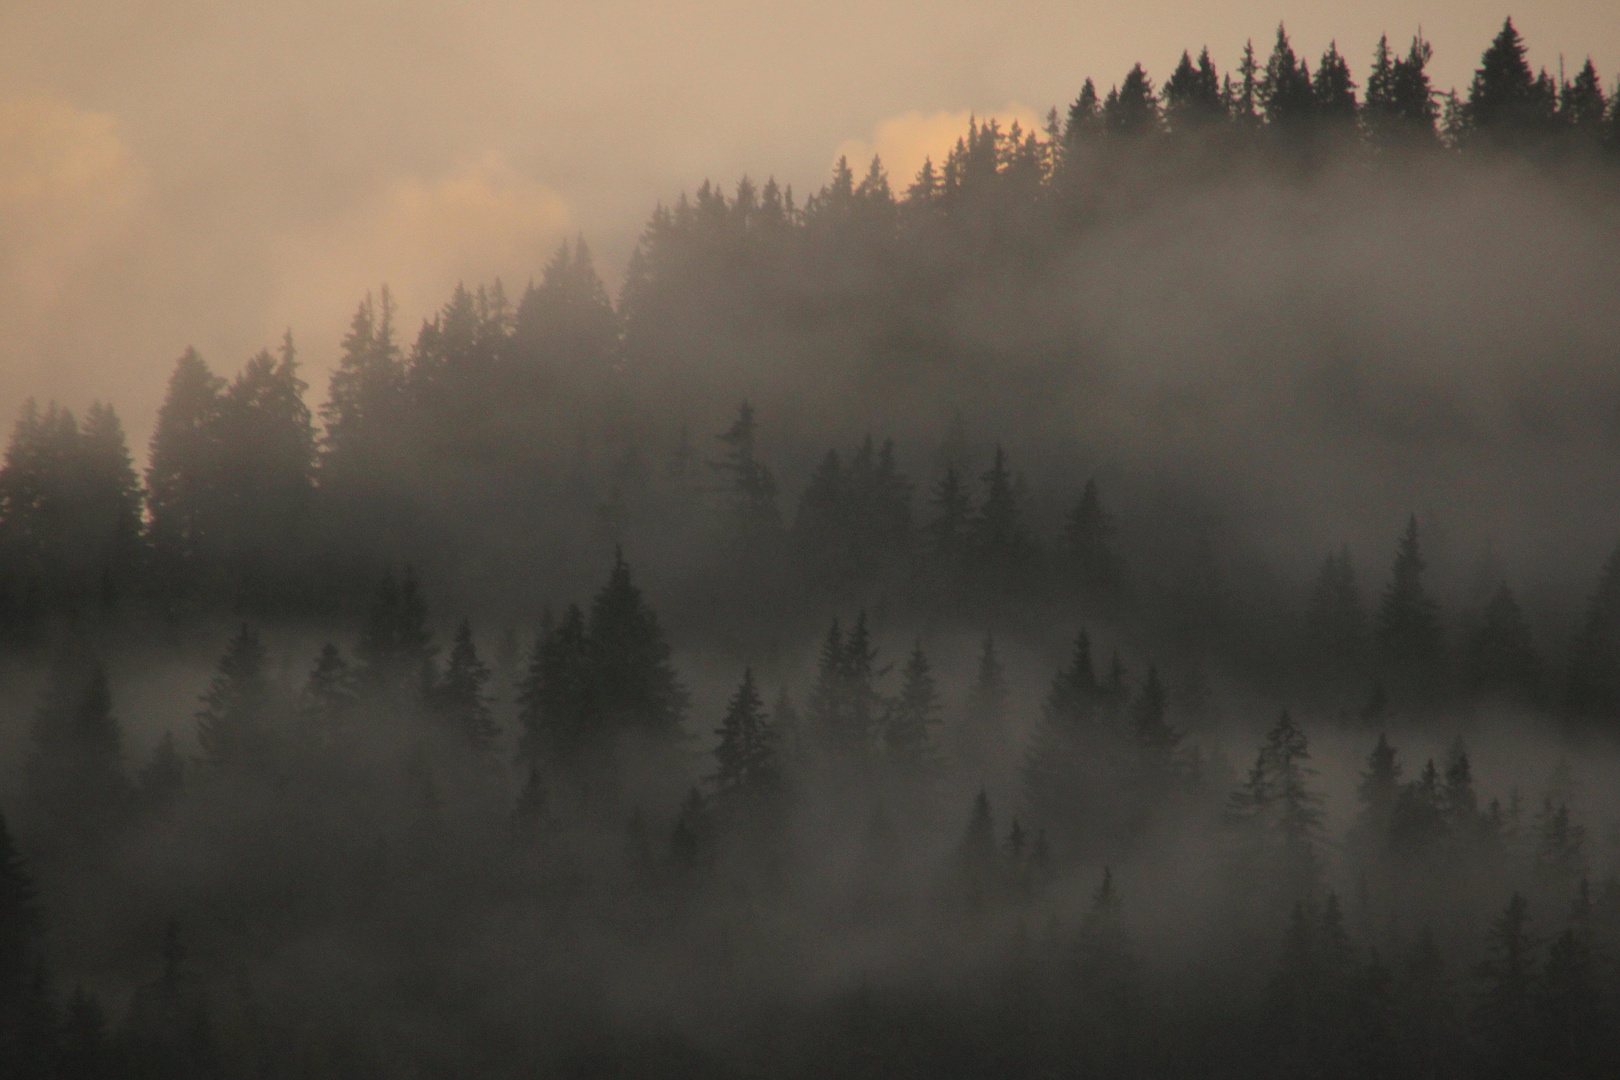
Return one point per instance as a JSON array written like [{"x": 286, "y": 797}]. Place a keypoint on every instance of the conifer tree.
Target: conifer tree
[
  {"x": 1002, "y": 547},
  {"x": 1378, "y": 792},
  {"x": 331, "y": 692},
  {"x": 749, "y": 496},
  {"x": 1507, "y": 105},
  {"x": 908, "y": 732},
  {"x": 1088, "y": 542},
  {"x": 1409, "y": 632},
  {"x": 567, "y": 322},
  {"x": 234, "y": 724},
  {"x": 1594, "y": 668},
  {"x": 748, "y": 770},
  {"x": 1504, "y": 1014},
  {"x": 1132, "y": 110},
  {"x": 395, "y": 650},
  {"x": 1192, "y": 95},
  {"x": 634, "y": 685},
  {"x": 1280, "y": 813},
  {"x": 950, "y": 531},
  {"x": 985, "y": 712},
  {"x": 19, "y": 924},
  {"x": 1156, "y": 740},
  {"x": 561, "y": 724},
  {"x": 1285, "y": 88},
  {"x": 366, "y": 400},
  {"x": 1501, "y": 661},
  {"x": 1335, "y": 623},
  {"x": 181, "y": 474},
  {"x": 460, "y": 697},
  {"x": 1335, "y": 92}
]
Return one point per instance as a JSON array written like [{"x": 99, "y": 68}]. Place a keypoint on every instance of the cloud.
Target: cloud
[
  {"x": 904, "y": 141},
  {"x": 70, "y": 192},
  {"x": 480, "y": 222}
]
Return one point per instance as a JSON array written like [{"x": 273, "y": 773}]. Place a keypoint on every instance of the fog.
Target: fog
[
  {"x": 1141, "y": 598},
  {"x": 192, "y": 172}
]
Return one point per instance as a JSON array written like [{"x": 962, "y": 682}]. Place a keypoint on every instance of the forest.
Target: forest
[{"x": 1142, "y": 599}]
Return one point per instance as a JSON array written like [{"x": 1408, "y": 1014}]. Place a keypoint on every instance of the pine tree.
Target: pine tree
[
  {"x": 1335, "y": 624},
  {"x": 1156, "y": 740},
  {"x": 234, "y": 724},
  {"x": 1335, "y": 92},
  {"x": 365, "y": 408},
  {"x": 395, "y": 650},
  {"x": 1582, "y": 106},
  {"x": 1378, "y": 792},
  {"x": 1003, "y": 552},
  {"x": 1192, "y": 96},
  {"x": 633, "y": 682},
  {"x": 1285, "y": 88},
  {"x": 1088, "y": 543},
  {"x": 182, "y": 471},
  {"x": 985, "y": 713},
  {"x": 908, "y": 731},
  {"x": 19, "y": 923},
  {"x": 567, "y": 322},
  {"x": 331, "y": 692},
  {"x": 749, "y": 496},
  {"x": 1409, "y": 631},
  {"x": 561, "y": 723},
  {"x": 1506, "y": 104},
  {"x": 1504, "y": 1014},
  {"x": 748, "y": 769},
  {"x": 1501, "y": 661},
  {"x": 460, "y": 697},
  {"x": 950, "y": 531},
  {"x": 1133, "y": 109},
  {"x": 1594, "y": 668},
  {"x": 1280, "y": 813}
]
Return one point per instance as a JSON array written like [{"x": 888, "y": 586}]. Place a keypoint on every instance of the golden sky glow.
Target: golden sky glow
[{"x": 208, "y": 172}]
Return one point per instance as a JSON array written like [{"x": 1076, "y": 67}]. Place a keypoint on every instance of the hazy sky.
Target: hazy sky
[{"x": 206, "y": 172}]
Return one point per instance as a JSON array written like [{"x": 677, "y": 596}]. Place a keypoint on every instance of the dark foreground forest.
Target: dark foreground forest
[{"x": 1141, "y": 601}]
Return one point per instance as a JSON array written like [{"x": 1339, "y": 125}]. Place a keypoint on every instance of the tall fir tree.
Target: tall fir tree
[
  {"x": 1410, "y": 637},
  {"x": 461, "y": 697}
]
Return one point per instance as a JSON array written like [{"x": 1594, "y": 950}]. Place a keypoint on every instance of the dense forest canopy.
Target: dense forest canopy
[{"x": 1141, "y": 597}]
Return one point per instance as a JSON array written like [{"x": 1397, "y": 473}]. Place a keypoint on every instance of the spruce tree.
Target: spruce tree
[
  {"x": 1501, "y": 661},
  {"x": 1507, "y": 105},
  {"x": 365, "y": 408},
  {"x": 395, "y": 650},
  {"x": 749, "y": 509},
  {"x": 557, "y": 710},
  {"x": 234, "y": 726},
  {"x": 1378, "y": 792},
  {"x": 461, "y": 697},
  {"x": 985, "y": 712},
  {"x": 182, "y": 471},
  {"x": 1132, "y": 110},
  {"x": 950, "y": 531},
  {"x": 1504, "y": 1015},
  {"x": 1156, "y": 740},
  {"x": 748, "y": 769},
  {"x": 331, "y": 691},
  {"x": 912, "y": 717},
  {"x": 1335, "y": 623},
  {"x": 634, "y": 685},
  {"x": 1089, "y": 548},
  {"x": 1335, "y": 92},
  {"x": 1409, "y": 632},
  {"x": 1594, "y": 667}
]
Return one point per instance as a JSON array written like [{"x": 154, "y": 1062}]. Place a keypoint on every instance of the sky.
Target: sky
[{"x": 212, "y": 173}]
